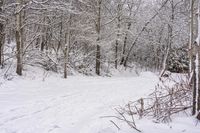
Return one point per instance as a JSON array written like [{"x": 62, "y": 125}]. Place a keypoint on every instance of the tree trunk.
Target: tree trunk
[
  {"x": 98, "y": 57},
  {"x": 193, "y": 85},
  {"x": 98, "y": 48},
  {"x": 67, "y": 46},
  {"x": 170, "y": 39},
  {"x": 125, "y": 43},
  {"x": 191, "y": 40},
  {"x": 18, "y": 39},
  {"x": 119, "y": 8},
  {"x": 130, "y": 7},
  {"x": 66, "y": 52},
  {"x": 23, "y": 37},
  {"x": 116, "y": 53},
  {"x": 43, "y": 29},
  {"x": 197, "y": 73},
  {"x": 1, "y": 36},
  {"x": 198, "y": 116},
  {"x": 61, "y": 33},
  {"x": 65, "y": 61},
  {"x": 198, "y": 82},
  {"x": 164, "y": 65},
  {"x": 197, "y": 67},
  {"x": 191, "y": 71},
  {"x": 196, "y": 93}
]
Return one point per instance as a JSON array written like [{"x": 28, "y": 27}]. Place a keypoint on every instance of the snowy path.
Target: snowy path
[{"x": 74, "y": 105}]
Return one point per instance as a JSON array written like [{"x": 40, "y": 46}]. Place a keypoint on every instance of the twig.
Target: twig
[{"x": 115, "y": 124}]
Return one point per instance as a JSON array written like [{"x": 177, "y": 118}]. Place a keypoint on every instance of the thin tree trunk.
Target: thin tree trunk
[
  {"x": 158, "y": 50},
  {"x": 1, "y": 36},
  {"x": 42, "y": 44},
  {"x": 130, "y": 7},
  {"x": 170, "y": 40},
  {"x": 164, "y": 65},
  {"x": 98, "y": 57},
  {"x": 18, "y": 39},
  {"x": 191, "y": 67},
  {"x": 198, "y": 62},
  {"x": 125, "y": 43},
  {"x": 23, "y": 36},
  {"x": 98, "y": 48},
  {"x": 61, "y": 32},
  {"x": 67, "y": 45},
  {"x": 1, "y": 50},
  {"x": 116, "y": 54},
  {"x": 191, "y": 71},
  {"x": 119, "y": 8},
  {"x": 193, "y": 82},
  {"x": 198, "y": 81},
  {"x": 44, "y": 31},
  {"x": 65, "y": 61},
  {"x": 1, "y": 45}
]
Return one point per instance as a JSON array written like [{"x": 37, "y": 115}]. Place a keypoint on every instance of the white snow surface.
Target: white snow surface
[{"x": 34, "y": 104}]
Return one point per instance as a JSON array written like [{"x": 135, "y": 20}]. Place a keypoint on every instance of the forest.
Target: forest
[
  {"x": 93, "y": 37},
  {"x": 117, "y": 49}
]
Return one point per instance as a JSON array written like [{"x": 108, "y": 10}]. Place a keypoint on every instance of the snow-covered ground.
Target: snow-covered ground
[{"x": 34, "y": 104}]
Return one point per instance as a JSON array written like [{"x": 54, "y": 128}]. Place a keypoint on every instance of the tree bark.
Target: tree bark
[
  {"x": 18, "y": 38},
  {"x": 191, "y": 71},
  {"x": 1, "y": 35},
  {"x": 193, "y": 86},
  {"x": 65, "y": 61},
  {"x": 197, "y": 67},
  {"x": 170, "y": 39},
  {"x": 61, "y": 33},
  {"x": 119, "y": 8},
  {"x": 125, "y": 43},
  {"x": 98, "y": 30},
  {"x": 191, "y": 40},
  {"x": 67, "y": 45}
]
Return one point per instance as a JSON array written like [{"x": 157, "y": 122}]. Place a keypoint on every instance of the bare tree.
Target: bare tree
[
  {"x": 101, "y": 33},
  {"x": 98, "y": 30},
  {"x": 191, "y": 56},
  {"x": 1, "y": 35},
  {"x": 18, "y": 36},
  {"x": 119, "y": 19},
  {"x": 67, "y": 45},
  {"x": 131, "y": 13},
  {"x": 197, "y": 67}
]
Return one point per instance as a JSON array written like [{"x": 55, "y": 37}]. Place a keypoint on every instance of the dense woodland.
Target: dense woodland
[{"x": 96, "y": 36}]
